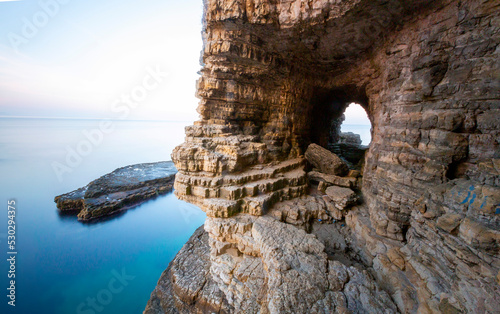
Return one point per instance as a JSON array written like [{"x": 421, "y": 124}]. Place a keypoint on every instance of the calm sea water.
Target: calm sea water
[{"x": 64, "y": 266}]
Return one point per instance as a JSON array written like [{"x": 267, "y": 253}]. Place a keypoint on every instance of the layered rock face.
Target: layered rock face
[{"x": 277, "y": 76}]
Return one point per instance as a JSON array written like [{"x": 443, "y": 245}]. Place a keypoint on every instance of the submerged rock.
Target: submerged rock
[{"x": 123, "y": 188}]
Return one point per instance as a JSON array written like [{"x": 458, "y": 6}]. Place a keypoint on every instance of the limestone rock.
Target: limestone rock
[
  {"x": 350, "y": 138},
  {"x": 277, "y": 76},
  {"x": 349, "y": 148},
  {"x": 396, "y": 257},
  {"x": 348, "y": 182},
  {"x": 185, "y": 286},
  {"x": 322, "y": 186},
  {"x": 325, "y": 161},
  {"x": 123, "y": 188},
  {"x": 449, "y": 222},
  {"x": 286, "y": 262},
  {"x": 253, "y": 191},
  {"x": 341, "y": 198},
  {"x": 480, "y": 236},
  {"x": 301, "y": 212},
  {"x": 354, "y": 174}
]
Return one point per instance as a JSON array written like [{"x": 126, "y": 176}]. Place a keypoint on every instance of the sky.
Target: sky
[
  {"x": 100, "y": 59},
  {"x": 113, "y": 59},
  {"x": 355, "y": 114}
]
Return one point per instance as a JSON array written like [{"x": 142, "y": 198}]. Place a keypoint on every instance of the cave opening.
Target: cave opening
[
  {"x": 341, "y": 123},
  {"x": 356, "y": 121}
]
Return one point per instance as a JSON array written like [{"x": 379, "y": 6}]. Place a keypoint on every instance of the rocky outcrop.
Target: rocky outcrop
[
  {"x": 277, "y": 76},
  {"x": 350, "y": 138},
  {"x": 186, "y": 285},
  {"x": 263, "y": 265},
  {"x": 349, "y": 148},
  {"x": 121, "y": 189}
]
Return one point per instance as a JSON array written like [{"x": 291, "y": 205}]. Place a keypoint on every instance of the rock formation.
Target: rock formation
[
  {"x": 325, "y": 161},
  {"x": 349, "y": 148},
  {"x": 121, "y": 189},
  {"x": 277, "y": 76}
]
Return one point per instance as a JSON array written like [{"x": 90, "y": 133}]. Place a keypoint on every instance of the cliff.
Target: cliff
[{"x": 277, "y": 76}]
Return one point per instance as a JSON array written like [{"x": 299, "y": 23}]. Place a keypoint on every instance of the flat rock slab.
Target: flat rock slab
[
  {"x": 347, "y": 182},
  {"x": 123, "y": 188}
]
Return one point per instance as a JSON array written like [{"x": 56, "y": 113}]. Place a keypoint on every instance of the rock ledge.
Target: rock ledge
[{"x": 123, "y": 188}]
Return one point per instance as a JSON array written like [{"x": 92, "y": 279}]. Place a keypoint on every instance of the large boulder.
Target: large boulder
[
  {"x": 326, "y": 161},
  {"x": 342, "y": 198}
]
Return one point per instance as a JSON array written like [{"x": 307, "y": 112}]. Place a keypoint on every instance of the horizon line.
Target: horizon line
[{"x": 86, "y": 118}]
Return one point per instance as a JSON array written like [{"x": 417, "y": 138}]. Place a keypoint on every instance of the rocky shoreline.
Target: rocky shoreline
[
  {"x": 121, "y": 189},
  {"x": 295, "y": 257},
  {"x": 412, "y": 227},
  {"x": 298, "y": 277}
]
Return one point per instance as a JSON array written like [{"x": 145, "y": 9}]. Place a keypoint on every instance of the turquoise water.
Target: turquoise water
[{"x": 62, "y": 265}]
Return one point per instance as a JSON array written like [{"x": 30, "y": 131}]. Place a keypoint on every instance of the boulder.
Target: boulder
[
  {"x": 341, "y": 198},
  {"x": 326, "y": 161},
  {"x": 449, "y": 222}
]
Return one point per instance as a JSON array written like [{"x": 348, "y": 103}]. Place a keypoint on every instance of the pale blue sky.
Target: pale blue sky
[{"x": 77, "y": 58}]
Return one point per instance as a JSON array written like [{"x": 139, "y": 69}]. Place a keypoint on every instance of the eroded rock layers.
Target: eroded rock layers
[{"x": 423, "y": 235}]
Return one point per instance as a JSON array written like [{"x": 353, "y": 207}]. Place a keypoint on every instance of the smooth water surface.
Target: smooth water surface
[{"x": 62, "y": 265}]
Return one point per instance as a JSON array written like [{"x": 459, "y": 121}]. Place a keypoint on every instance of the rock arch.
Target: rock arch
[{"x": 427, "y": 74}]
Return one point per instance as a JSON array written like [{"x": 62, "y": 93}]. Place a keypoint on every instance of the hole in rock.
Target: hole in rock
[
  {"x": 341, "y": 124},
  {"x": 357, "y": 122},
  {"x": 456, "y": 169},
  {"x": 354, "y": 138}
]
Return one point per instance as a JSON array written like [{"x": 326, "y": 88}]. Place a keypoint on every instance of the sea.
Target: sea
[{"x": 61, "y": 265}]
